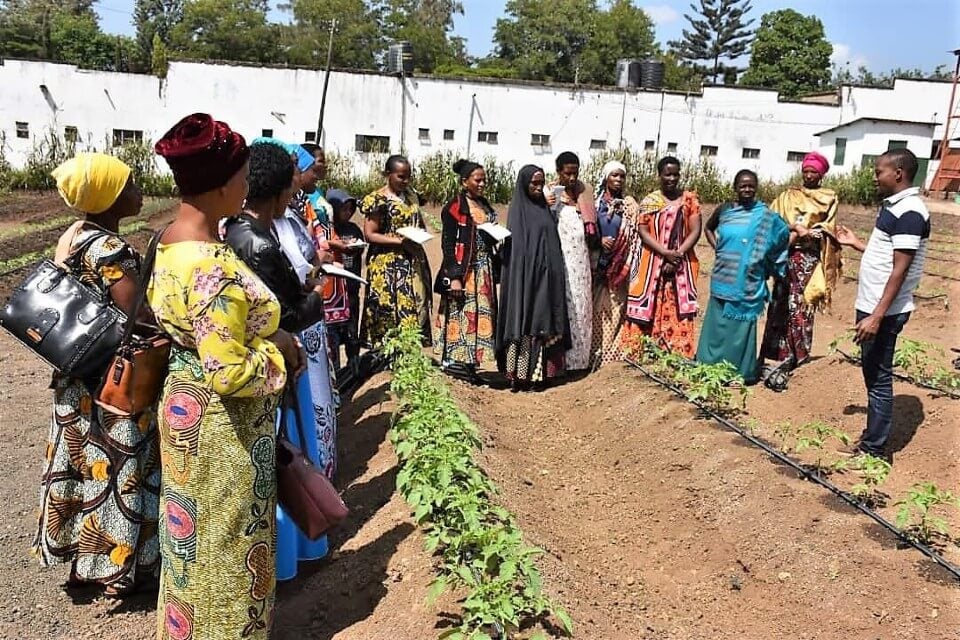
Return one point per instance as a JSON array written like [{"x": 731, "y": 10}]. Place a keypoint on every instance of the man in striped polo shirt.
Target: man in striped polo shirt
[{"x": 889, "y": 273}]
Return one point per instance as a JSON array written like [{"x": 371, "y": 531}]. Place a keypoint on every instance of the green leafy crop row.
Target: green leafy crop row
[
  {"x": 718, "y": 386},
  {"x": 478, "y": 543}
]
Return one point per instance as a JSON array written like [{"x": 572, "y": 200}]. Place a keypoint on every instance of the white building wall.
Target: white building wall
[
  {"x": 873, "y": 138},
  {"x": 287, "y": 101},
  {"x": 95, "y": 102}
]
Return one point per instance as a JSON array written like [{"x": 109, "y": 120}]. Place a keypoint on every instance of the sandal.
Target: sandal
[{"x": 777, "y": 377}]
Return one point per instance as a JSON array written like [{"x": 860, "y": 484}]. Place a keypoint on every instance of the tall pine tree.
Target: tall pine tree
[{"x": 719, "y": 31}]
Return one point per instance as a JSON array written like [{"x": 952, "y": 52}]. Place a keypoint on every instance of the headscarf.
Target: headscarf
[
  {"x": 533, "y": 282},
  {"x": 609, "y": 168},
  {"x": 815, "y": 161},
  {"x": 202, "y": 153},
  {"x": 305, "y": 159},
  {"x": 91, "y": 182}
]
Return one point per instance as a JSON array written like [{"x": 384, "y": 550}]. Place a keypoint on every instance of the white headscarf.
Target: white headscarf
[{"x": 611, "y": 166}]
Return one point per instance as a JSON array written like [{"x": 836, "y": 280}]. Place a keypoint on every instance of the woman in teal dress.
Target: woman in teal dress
[{"x": 751, "y": 242}]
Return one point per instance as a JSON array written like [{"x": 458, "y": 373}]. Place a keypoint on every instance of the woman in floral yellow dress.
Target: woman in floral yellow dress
[
  {"x": 397, "y": 267},
  {"x": 217, "y": 413}
]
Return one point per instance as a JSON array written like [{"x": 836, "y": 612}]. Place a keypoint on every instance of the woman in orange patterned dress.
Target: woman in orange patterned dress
[{"x": 662, "y": 298}]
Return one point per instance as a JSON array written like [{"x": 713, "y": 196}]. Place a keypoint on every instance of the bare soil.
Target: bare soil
[{"x": 656, "y": 523}]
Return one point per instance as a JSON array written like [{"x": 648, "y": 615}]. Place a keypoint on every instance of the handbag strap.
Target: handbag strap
[
  {"x": 146, "y": 271},
  {"x": 290, "y": 401}
]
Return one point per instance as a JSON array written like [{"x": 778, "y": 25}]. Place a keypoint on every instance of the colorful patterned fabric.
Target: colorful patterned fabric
[
  {"x": 815, "y": 209},
  {"x": 217, "y": 436},
  {"x": 669, "y": 329},
  {"x": 534, "y": 359},
  {"x": 319, "y": 216},
  {"x": 789, "y": 330},
  {"x": 668, "y": 222},
  {"x": 751, "y": 247},
  {"x": 464, "y": 329},
  {"x": 326, "y": 400},
  {"x": 578, "y": 287},
  {"x": 609, "y": 305},
  {"x": 101, "y": 478},
  {"x": 399, "y": 282}
]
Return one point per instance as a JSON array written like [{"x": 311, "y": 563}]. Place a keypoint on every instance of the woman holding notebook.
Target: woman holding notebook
[
  {"x": 397, "y": 267},
  {"x": 464, "y": 331}
]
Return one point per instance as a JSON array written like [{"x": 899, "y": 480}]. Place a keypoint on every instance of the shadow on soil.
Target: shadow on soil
[{"x": 331, "y": 595}]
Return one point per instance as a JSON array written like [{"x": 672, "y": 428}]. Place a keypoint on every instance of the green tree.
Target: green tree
[
  {"x": 678, "y": 76},
  {"x": 226, "y": 30},
  {"x": 790, "y": 54},
  {"x": 77, "y": 39},
  {"x": 620, "y": 31},
  {"x": 357, "y": 42},
  {"x": 154, "y": 19},
  {"x": 572, "y": 40},
  {"x": 27, "y": 26},
  {"x": 865, "y": 77},
  {"x": 718, "y": 32},
  {"x": 427, "y": 26},
  {"x": 159, "y": 58},
  {"x": 546, "y": 39}
]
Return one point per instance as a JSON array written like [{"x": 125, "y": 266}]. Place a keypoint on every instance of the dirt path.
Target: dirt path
[{"x": 656, "y": 524}]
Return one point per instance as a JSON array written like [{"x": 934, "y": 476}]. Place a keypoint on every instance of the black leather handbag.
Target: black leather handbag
[{"x": 75, "y": 328}]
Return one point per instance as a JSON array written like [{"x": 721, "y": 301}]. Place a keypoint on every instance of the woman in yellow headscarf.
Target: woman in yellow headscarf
[
  {"x": 813, "y": 269},
  {"x": 101, "y": 475}
]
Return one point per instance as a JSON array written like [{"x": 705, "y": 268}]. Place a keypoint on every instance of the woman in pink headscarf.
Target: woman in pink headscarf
[{"x": 813, "y": 269}]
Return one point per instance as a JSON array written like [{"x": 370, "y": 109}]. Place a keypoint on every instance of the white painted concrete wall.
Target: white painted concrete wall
[
  {"x": 287, "y": 101},
  {"x": 873, "y": 138}
]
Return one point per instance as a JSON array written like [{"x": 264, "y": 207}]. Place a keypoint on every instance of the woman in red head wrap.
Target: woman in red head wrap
[
  {"x": 813, "y": 268},
  {"x": 228, "y": 366}
]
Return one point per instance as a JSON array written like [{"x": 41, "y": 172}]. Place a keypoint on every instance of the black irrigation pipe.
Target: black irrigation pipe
[
  {"x": 905, "y": 378},
  {"x": 805, "y": 472}
]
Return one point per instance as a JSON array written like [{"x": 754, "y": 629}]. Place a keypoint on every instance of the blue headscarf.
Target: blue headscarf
[{"x": 304, "y": 158}]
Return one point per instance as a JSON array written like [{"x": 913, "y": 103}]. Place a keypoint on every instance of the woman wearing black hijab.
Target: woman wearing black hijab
[
  {"x": 533, "y": 330},
  {"x": 464, "y": 331}
]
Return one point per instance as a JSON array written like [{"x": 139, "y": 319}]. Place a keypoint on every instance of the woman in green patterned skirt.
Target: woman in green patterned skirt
[{"x": 217, "y": 414}]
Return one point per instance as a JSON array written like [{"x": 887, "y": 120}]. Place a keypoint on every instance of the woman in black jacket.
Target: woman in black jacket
[
  {"x": 467, "y": 319},
  {"x": 251, "y": 235}
]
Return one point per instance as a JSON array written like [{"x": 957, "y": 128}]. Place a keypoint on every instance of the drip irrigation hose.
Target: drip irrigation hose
[
  {"x": 498, "y": 630},
  {"x": 804, "y": 472},
  {"x": 905, "y": 378}
]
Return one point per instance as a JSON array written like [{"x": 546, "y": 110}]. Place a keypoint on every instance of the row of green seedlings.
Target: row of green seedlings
[
  {"x": 921, "y": 362},
  {"x": 720, "y": 388},
  {"x": 479, "y": 547},
  {"x": 918, "y": 510}
]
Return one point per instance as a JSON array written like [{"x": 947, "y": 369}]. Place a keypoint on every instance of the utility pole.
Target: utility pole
[{"x": 326, "y": 82}]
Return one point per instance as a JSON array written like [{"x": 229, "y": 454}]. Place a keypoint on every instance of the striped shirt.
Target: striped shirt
[{"x": 903, "y": 223}]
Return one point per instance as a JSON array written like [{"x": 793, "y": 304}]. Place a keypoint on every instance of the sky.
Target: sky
[{"x": 879, "y": 34}]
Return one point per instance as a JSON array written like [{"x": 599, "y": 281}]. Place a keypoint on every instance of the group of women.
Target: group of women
[
  {"x": 187, "y": 490},
  {"x": 587, "y": 274}
]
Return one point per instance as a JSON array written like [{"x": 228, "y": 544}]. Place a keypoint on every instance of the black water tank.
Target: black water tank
[
  {"x": 400, "y": 58},
  {"x": 628, "y": 73},
  {"x": 651, "y": 73}
]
